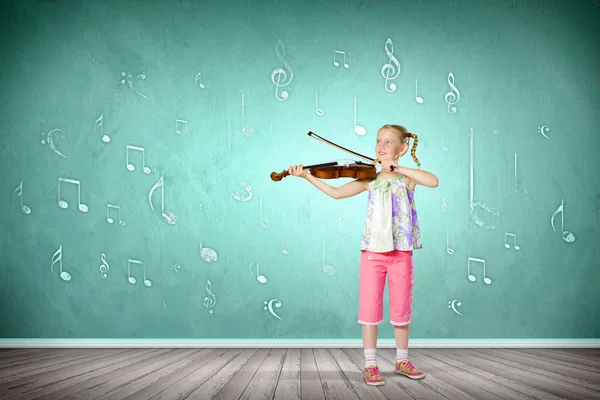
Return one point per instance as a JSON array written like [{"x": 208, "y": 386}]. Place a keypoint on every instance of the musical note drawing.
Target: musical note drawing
[
  {"x": 210, "y": 300},
  {"x": 339, "y": 221},
  {"x": 246, "y": 130},
  {"x": 283, "y": 250},
  {"x": 567, "y": 236},
  {"x": 443, "y": 143},
  {"x": 168, "y": 216},
  {"x": 453, "y": 95},
  {"x": 518, "y": 186},
  {"x": 260, "y": 278},
  {"x": 130, "y": 166},
  {"x": 472, "y": 205},
  {"x": 389, "y": 67},
  {"x": 359, "y": 130},
  {"x": 248, "y": 190},
  {"x": 472, "y": 277},
  {"x": 280, "y": 72},
  {"x": 514, "y": 236},
  {"x": 451, "y": 305},
  {"x": 418, "y": 98},
  {"x": 109, "y": 219},
  {"x": 542, "y": 129},
  {"x": 99, "y": 125},
  {"x": 328, "y": 269},
  {"x": 62, "y": 203},
  {"x": 317, "y": 109},
  {"x": 263, "y": 221},
  {"x": 208, "y": 254},
  {"x": 269, "y": 306},
  {"x": 127, "y": 79},
  {"x": 176, "y": 268},
  {"x": 444, "y": 205},
  {"x": 201, "y": 85},
  {"x": 448, "y": 249},
  {"x": 104, "y": 267},
  {"x": 180, "y": 125},
  {"x": 57, "y": 257},
  {"x": 19, "y": 193},
  {"x": 49, "y": 139},
  {"x": 337, "y": 64},
  {"x": 130, "y": 278}
]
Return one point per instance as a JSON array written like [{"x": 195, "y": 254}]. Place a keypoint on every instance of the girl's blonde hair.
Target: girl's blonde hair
[{"x": 404, "y": 136}]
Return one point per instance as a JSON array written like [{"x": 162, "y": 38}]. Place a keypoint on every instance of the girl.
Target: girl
[{"x": 391, "y": 233}]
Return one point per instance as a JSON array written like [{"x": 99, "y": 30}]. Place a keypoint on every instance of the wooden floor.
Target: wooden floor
[{"x": 288, "y": 374}]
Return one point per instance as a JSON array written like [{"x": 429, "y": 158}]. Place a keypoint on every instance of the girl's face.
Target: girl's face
[{"x": 388, "y": 145}]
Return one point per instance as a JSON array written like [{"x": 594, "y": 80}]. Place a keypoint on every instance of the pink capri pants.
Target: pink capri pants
[{"x": 398, "y": 266}]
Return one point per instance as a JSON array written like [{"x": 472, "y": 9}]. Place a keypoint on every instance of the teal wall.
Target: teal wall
[{"x": 526, "y": 89}]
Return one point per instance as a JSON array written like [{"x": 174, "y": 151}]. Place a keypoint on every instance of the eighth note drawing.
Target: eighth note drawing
[
  {"x": 99, "y": 125},
  {"x": 62, "y": 203},
  {"x": 472, "y": 277},
  {"x": 567, "y": 236},
  {"x": 514, "y": 236},
  {"x": 201, "y": 85}
]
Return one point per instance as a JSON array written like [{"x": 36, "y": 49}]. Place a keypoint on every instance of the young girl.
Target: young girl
[{"x": 391, "y": 233}]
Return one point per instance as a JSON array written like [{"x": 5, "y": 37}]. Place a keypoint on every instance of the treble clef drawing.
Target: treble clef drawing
[
  {"x": 387, "y": 68},
  {"x": 280, "y": 73},
  {"x": 453, "y": 95}
]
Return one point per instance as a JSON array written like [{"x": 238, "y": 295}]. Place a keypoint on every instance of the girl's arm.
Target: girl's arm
[
  {"x": 347, "y": 190},
  {"x": 418, "y": 177}
]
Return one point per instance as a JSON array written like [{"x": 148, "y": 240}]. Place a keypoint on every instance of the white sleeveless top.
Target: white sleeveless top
[{"x": 392, "y": 222}]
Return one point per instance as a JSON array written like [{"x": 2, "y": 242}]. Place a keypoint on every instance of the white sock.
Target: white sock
[
  {"x": 401, "y": 355},
  {"x": 370, "y": 357}
]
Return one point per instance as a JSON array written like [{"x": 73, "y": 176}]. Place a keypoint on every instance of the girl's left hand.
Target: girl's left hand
[{"x": 387, "y": 164}]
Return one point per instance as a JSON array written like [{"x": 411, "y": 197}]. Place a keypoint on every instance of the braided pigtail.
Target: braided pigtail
[{"x": 413, "y": 151}]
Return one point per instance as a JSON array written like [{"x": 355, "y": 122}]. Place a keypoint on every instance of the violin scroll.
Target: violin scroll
[{"x": 276, "y": 177}]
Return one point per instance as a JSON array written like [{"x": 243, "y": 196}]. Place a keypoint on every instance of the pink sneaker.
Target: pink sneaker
[
  {"x": 372, "y": 376},
  {"x": 407, "y": 369}
]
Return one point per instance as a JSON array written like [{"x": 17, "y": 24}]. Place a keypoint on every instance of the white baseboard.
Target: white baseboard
[{"x": 295, "y": 343}]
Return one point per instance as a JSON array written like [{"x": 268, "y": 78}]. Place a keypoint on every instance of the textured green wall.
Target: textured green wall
[{"x": 515, "y": 81}]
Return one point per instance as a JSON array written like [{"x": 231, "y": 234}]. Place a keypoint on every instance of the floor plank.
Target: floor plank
[
  {"x": 235, "y": 386},
  {"x": 288, "y": 384},
  {"x": 334, "y": 382},
  {"x": 310, "y": 381}
]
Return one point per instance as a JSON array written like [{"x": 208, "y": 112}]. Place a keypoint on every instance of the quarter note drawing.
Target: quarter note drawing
[
  {"x": 448, "y": 249},
  {"x": 248, "y": 190},
  {"x": 443, "y": 143},
  {"x": 444, "y": 205},
  {"x": 418, "y": 98},
  {"x": 127, "y": 80},
  {"x": 263, "y": 221},
  {"x": 567, "y": 236},
  {"x": 260, "y": 278},
  {"x": 57, "y": 257},
  {"x": 281, "y": 72},
  {"x": 452, "y": 303},
  {"x": 99, "y": 126},
  {"x": 168, "y": 216},
  {"x": 208, "y": 254},
  {"x": 317, "y": 109},
  {"x": 453, "y": 95},
  {"x": 514, "y": 238},
  {"x": 109, "y": 219},
  {"x": 246, "y": 130},
  {"x": 19, "y": 193},
  {"x": 336, "y": 63},
  {"x": 197, "y": 79},
  {"x": 392, "y": 67},
  {"x": 181, "y": 126},
  {"x": 130, "y": 278},
  {"x": 478, "y": 204},
  {"x": 472, "y": 277},
  {"x": 210, "y": 300},
  {"x": 328, "y": 269},
  {"x": 62, "y": 203},
  {"x": 104, "y": 267},
  {"x": 283, "y": 250},
  {"x": 359, "y": 130},
  {"x": 130, "y": 166},
  {"x": 269, "y": 306},
  {"x": 519, "y": 187},
  {"x": 48, "y": 138},
  {"x": 543, "y": 129}
]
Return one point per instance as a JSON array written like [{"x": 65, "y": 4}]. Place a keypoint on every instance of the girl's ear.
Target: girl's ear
[{"x": 403, "y": 150}]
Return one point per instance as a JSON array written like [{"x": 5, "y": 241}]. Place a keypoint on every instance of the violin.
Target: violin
[{"x": 334, "y": 169}]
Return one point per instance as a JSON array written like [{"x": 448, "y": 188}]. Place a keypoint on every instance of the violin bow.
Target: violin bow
[{"x": 314, "y": 135}]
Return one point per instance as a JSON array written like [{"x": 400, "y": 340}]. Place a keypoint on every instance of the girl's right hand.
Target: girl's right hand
[{"x": 297, "y": 170}]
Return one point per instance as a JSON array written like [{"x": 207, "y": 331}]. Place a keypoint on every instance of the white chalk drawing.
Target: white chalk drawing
[
  {"x": 99, "y": 126},
  {"x": 210, "y": 300},
  {"x": 269, "y": 306},
  {"x": 453, "y": 304},
  {"x": 449, "y": 250},
  {"x": 472, "y": 277},
  {"x": 104, "y": 267},
  {"x": 259, "y": 277},
  {"x": 248, "y": 190},
  {"x": 283, "y": 249},
  {"x": 281, "y": 72},
  {"x": 130, "y": 166},
  {"x": 478, "y": 204},
  {"x": 181, "y": 126},
  {"x": 132, "y": 279},
  {"x": 519, "y": 187},
  {"x": 127, "y": 79},
  {"x": 48, "y": 138},
  {"x": 263, "y": 221},
  {"x": 567, "y": 236},
  {"x": 57, "y": 257},
  {"x": 197, "y": 81},
  {"x": 543, "y": 129},
  {"x": 418, "y": 98},
  {"x": 514, "y": 238},
  {"x": 19, "y": 193},
  {"x": 328, "y": 269},
  {"x": 109, "y": 219},
  {"x": 453, "y": 95},
  {"x": 318, "y": 110},
  {"x": 246, "y": 130},
  {"x": 168, "y": 216},
  {"x": 393, "y": 66},
  {"x": 208, "y": 254},
  {"x": 358, "y": 129},
  {"x": 336, "y": 63},
  {"x": 62, "y": 203}
]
